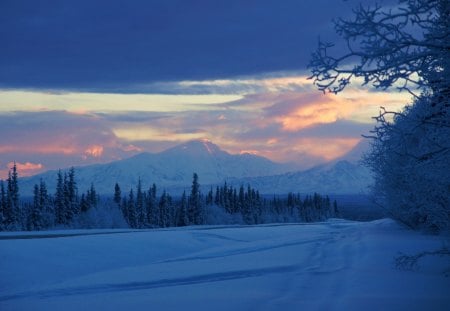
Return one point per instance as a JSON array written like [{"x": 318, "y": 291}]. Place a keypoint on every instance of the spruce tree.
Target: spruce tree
[
  {"x": 195, "y": 209},
  {"x": 152, "y": 210},
  {"x": 217, "y": 197},
  {"x": 84, "y": 204},
  {"x": 12, "y": 210},
  {"x": 183, "y": 219},
  {"x": 48, "y": 213},
  {"x": 117, "y": 194},
  {"x": 92, "y": 196},
  {"x": 164, "y": 210},
  {"x": 132, "y": 210},
  {"x": 72, "y": 194},
  {"x": 60, "y": 205},
  {"x": 140, "y": 209},
  {"x": 2, "y": 205}
]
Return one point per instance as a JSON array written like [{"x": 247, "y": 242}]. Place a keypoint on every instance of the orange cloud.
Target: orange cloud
[
  {"x": 317, "y": 110},
  {"x": 130, "y": 147},
  {"x": 305, "y": 151},
  {"x": 24, "y": 169},
  {"x": 95, "y": 151},
  {"x": 326, "y": 148}
]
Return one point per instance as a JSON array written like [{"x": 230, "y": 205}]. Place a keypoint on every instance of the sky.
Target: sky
[{"x": 85, "y": 82}]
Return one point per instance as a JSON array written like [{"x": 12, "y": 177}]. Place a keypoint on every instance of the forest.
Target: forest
[{"x": 140, "y": 208}]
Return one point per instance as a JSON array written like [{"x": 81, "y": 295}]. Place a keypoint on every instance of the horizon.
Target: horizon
[
  {"x": 147, "y": 76},
  {"x": 293, "y": 167}
]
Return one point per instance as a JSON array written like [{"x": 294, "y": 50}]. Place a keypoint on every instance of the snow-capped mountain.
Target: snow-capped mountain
[
  {"x": 170, "y": 169},
  {"x": 342, "y": 177},
  {"x": 173, "y": 168}
]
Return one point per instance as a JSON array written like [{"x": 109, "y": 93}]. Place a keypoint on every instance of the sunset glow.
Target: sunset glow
[
  {"x": 268, "y": 121},
  {"x": 245, "y": 91}
]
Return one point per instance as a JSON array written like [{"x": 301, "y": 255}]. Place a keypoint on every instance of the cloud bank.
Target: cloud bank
[{"x": 282, "y": 118}]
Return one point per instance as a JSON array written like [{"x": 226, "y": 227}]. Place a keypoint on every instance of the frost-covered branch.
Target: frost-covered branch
[
  {"x": 408, "y": 48},
  {"x": 411, "y": 262}
]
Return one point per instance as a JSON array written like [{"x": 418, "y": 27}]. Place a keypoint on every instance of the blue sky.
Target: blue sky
[{"x": 85, "y": 82}]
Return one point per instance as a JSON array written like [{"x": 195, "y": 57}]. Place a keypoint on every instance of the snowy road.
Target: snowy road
[{"x": 336, "y": 265}]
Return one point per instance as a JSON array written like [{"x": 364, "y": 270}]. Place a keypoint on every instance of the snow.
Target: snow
[
  {"x": 171, "y": 169},
  {"x": 334, "y": 265},
  {"x": 341, "y": 177}
]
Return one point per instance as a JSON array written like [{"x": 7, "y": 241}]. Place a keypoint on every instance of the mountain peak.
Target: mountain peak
[{"x": 198, "y": 147}]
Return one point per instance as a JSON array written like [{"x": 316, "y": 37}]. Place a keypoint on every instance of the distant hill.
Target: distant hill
[{"x": 342, "y": 177}]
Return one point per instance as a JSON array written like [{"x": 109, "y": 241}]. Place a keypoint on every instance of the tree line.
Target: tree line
[{"x": 139, "y": 208}]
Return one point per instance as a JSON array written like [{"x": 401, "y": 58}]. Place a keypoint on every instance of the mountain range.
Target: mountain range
[{"x": 173, "y": 168}]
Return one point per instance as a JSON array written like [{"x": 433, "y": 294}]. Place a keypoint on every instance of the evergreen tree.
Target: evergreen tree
[
  {"x": 12, "y": 209},
  {"x": 132, "y": 219},
  {"x": 117, "y": 194},
  {"x": 164, "y": 210},
  {"x": 241, "y": 198},
  {"x": 140, "y": 209},
  {"x": 2, "y": 205},
  {"x": 72, "y": 194},
  {"x": 48, "y": 213},
  {"x": 210, "y": 197},
  {"x": 68, "y": 211},
  {"x": 335, "y": 209},
  {"x": 195, "y": 209},
  {"x": 92, "y": 196},
  {"x": 60, "y": 202},
  {"x": 183, "y": 219},
  {"x": 36, "y": 208},
  {"x": 15, "y": 188},
  {"x": 247, "y": 214},
  {"x": 124, "y": 208},
  {"x": 152, "y": 210},
  {"x": 84, "y": 204},
  {"x": 217, "y": 197}
]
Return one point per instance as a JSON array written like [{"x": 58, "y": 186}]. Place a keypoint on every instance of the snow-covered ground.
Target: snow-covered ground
[{"x": 335, "y": 265}]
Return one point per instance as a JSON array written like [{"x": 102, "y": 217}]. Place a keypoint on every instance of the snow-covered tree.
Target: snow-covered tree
[
  {"x": 406, "y": 47},
  {"x": 411, "y": 161}
]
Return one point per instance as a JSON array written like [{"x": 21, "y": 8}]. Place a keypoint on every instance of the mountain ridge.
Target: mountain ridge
[{"x": 172, "y": 169}]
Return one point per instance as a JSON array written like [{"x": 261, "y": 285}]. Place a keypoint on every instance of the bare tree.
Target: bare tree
[{"x": 407, "y": 48}]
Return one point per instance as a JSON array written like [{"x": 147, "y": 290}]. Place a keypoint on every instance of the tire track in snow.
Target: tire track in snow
[
  {"x": 133, "y": 286},
  {"x": 245, "y": 250},
  {"x": 325, "y": 269}
]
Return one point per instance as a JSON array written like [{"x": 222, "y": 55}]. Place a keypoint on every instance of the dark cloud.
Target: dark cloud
[
  {"x": 133, "y": 116},
  {"x": 115, "y": 45}
]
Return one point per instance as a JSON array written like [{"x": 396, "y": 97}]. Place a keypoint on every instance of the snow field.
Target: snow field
[{"x": 335, "y": 265}]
